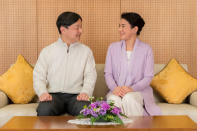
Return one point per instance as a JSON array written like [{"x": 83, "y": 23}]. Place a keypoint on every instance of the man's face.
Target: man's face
[{"x": 73, "y": 32}]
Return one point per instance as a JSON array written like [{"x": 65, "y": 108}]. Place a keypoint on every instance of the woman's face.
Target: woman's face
[{"x": 126, "y": 32}]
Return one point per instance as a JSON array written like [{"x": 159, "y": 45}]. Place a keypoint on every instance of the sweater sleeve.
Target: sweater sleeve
[
  {"x": 90, "y": 75},
  {"x": 148, "y": 73},
  {"x": 108, "y": 71},
  {"x": 40, "y": 74}
]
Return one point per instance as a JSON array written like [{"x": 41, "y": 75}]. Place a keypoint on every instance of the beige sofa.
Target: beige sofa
[{"x": 189, "y": 107}]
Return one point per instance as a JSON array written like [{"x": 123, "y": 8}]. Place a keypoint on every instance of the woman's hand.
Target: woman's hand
[
  {"x": 124, "y": 90},
  {"x": 121, "y": 91},
  {"x": 116, "y": 91}
]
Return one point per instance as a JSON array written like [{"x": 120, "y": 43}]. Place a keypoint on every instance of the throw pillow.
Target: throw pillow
[
  {"x": 17, "y": 82},
  {"x": 173, "y": 83}
]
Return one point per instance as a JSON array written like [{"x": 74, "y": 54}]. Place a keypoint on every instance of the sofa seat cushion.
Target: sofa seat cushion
[
  {"x": 19, "y": 110},
  {"x": 179, "y": 109}
]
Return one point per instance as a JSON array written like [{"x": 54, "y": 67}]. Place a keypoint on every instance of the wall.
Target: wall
[
  {"x": 18, "y": 31},
  {"x": 26, "y": 26}
]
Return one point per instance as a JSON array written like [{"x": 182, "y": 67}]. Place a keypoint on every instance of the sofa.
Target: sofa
[{"x": 188, "y": 107}]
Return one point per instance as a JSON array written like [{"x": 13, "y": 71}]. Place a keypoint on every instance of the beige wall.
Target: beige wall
[
  {"x": 18, "y": 31},
  {"x": 26, "y": 26}
]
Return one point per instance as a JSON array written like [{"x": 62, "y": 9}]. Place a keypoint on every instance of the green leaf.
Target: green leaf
[
  {"x": 123, "y": 115},
  {"x": 92, "y": 119},
  {"x": 118, "y": 120},
  {"x": 85, "y": 106},
  {"x": 80, "y": 116}
]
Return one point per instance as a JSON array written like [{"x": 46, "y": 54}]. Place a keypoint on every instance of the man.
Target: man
[{"x": 64, "y": 75}]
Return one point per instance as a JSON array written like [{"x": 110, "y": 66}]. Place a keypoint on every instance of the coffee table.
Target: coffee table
[{"x": 59, "y": 123}]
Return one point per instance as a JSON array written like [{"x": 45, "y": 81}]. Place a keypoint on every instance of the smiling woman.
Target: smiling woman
[{"x": 129, "y": 69}]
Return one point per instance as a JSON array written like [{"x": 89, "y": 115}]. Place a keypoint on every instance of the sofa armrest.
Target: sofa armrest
[
  {"x": 193, "y": 99},
  {"x": 3, "y": 99}
]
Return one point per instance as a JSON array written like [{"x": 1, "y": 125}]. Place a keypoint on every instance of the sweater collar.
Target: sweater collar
[{"x": 62, "y": 43}]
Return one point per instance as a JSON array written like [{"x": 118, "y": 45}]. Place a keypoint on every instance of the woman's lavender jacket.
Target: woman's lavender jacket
[{"x": 137, "y": 73}]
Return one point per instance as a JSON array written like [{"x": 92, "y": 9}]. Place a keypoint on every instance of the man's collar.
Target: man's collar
[{"x": 65, "y": 44}]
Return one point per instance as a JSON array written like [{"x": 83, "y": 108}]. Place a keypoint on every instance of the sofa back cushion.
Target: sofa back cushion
[{"x": 101, "y": 88}]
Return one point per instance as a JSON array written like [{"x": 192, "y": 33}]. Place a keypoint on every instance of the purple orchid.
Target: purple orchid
[
  {"x": 116, "y": 111},
  {"x": 93, "y": 105},
  {"x": 102, "y": 112},
  {"x": 93, "y": 113},
  {"x": 105, "y": 106},
  {"x": 86, "y": 111}
]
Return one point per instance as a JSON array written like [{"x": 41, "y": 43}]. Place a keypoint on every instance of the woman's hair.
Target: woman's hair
[
  {"x": 134, "y": 19},
  {"x": 66, "y": 19}
]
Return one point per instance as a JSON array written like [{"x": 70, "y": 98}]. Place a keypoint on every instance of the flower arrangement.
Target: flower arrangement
[{"x": 101, "y": 111}]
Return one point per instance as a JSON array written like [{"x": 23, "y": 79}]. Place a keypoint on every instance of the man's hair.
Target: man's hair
[
  {"x": 134, "y": 19},
  {"x": 66, "y": 19}
]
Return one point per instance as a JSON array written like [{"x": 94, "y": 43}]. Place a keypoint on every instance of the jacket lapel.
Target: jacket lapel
[
  {"x": 123, "y": 66},
  {"x": 132, "y": 65}
]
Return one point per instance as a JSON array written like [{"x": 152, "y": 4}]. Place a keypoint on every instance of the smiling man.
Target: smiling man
[{"x": 64, "y": 75}]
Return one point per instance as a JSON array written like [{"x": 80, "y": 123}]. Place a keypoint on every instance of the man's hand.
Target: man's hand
[
  {"x": 45, "y": 97},
  {"x": 83, "y": 97}
]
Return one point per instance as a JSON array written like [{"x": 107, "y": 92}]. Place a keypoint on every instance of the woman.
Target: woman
[{"x": 129, "y": 70}]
